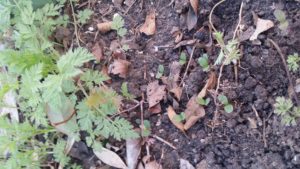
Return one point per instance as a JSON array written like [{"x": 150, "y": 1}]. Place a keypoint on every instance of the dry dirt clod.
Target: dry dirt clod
[
  {"x": 149, "y": 26},
  {"x": 119, "y": 67}
]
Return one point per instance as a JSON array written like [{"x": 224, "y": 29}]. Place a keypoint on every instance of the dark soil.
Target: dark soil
[{"x": 234, "y": 143}]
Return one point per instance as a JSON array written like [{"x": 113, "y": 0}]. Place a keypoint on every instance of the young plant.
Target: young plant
[
  {"x": 280, "y": 16},
  {"x": 146, "y": 127},
  {"x": 182, "y": 58},
  {"x": 288, "y": 112},
  {"x": 160, "y": 71},
  {"x": 203, "y": 102},
  {"x": 125, "y": 92},
  {"x": 227, "y": 106},
  {"x": 179, "y": 117},
  {"x": 83, "y": 16},
  {"x": 203, "y": 62},
  {"x": 48, "y": 96},
  {"x": 292, "y": 62},
  {"x": 118, "y": 25},
  {"x": 229, "y": 52}
]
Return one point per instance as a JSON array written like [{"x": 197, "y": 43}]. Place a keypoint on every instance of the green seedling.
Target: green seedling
[
  {"x": 182, "y": 58},
  {"x": 280, "y": 16},
  {"x": 292, "y": 62},
  {"x": 146, "y": 128},
  {"x": 125, "y": 92},
  {"x": 203, "y": 102},
  {"x": 118, "y": 25},
  {"x": 84, "y": 16},
  {"x": 288, "y": 112},
  {"x": 203, "y": 62},
  {"x": 179, "y": 117},
  {"x": 227, "y": 106},
  {"x": 160, "y": 71}
]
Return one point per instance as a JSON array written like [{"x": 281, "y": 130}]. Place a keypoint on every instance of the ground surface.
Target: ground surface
[{"x": 235, "y": 143}]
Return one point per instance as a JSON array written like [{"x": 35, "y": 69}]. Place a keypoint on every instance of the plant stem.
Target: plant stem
[
  {"x": 75, "y": 23},
  {"x": 286, "y": 69},
  {"x": 188, "y": 65},
  {"x": 210, "y": 14}
]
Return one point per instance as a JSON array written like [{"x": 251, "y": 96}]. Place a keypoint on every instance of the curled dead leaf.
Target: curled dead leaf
[
  {"x": 119, "y": 67},
  {"x": 104, "y": 27},
  {"x": 210, "y": 84},
  {"x": 193, "y": 112},
  {"x": 195, "y": 5},
  {"x": 133, "y": 149},
  {"x": 149, "y": 26},
  {"x": 191, "y": 19},
  {"x": 172, "y": 114},
  {"x": 110, "y": 158},
  {"x": 147, "y": 164},
  {"x": 177, "y": 91},
  {"x": 155, "y": 93},
  {"x": 261, "y": 26},
  {"x": 155, "y": 109},
  {"x": 97, "y": 51}
]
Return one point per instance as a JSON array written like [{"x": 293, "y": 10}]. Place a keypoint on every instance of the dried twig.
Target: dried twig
[
  {"x": 164, "y": 141},
  {"x": 211, "y": 12},
  {"x": 188, "y": 65},
  {"x": 75, "y": 23},
  {"x": 286, "y": 69}
]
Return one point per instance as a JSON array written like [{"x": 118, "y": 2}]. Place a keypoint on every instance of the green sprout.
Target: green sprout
[
  {"x": 84, "y": 16},
  {"x": 118, "y": 25},
  {"x": 125, "y": 92},
  {"x": 203, "y": 62},
  {"x": 203, "y": 102},
  {"x": 288, "y": 112},
  {"x": 182, "y": 58},
  {"x": 179, "y": 117},
  {"x": 227, "y": 106},
  {"x": 160, "y": 71},
  {"x": 280, "y": 16},
  {"x": 292, "y": 62}
]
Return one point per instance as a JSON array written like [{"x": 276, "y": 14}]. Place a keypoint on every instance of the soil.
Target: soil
[{"x": 234, "y": 143}]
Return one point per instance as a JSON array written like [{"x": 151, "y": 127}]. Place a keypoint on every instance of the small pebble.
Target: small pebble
[{"x": 91, "y": 29}]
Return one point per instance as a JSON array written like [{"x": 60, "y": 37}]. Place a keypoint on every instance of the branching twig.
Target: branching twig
[{"x": 286, "y": 69}]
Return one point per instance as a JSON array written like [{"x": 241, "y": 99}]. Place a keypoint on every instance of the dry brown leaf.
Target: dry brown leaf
[
  {"x": 184, "y": 164},
  {"x": 177, "y": 92},
  {"x": 97, "y": 52},
  {"x": 155, "y": 109},
  {"x": 119, "y": 67},
  {"x": 133, "y": 149},
  {"x": 104, "y": 27},
  {"x": 191, "y": 19},
  {"x": 195, "y": 5},
  {"x": 193, "y": 112},
  {"x": 110, "y": 158},
  {"x": 202, "y": 165},
  {"x": 149, "y": 26},
  {"x": 210, "y": 84},
  {"x": 261, "y": 26},
  {"x": 172, "y": 115},
  {"x": 145, "y": 164},
  {"x": 252, "y": 123},
  {"x": 155, "y": 93}
]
